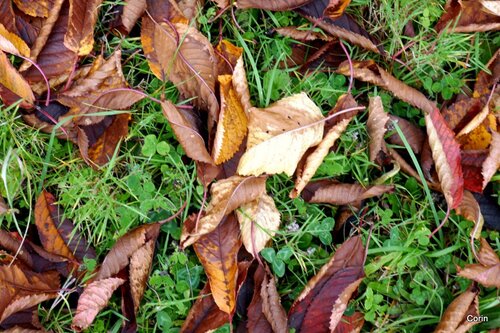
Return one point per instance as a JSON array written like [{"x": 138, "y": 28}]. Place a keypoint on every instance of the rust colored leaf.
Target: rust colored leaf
[
  {"x": 187, "y": 134},
  {"x": 454, "y": 318},
  {"x": 413, "y": 134},
  {"x": 204, "y": 315},
  {"x": 467, "y": 16},
  {"x": 472, "y": 161},
  {"x": 325, "y": 191},
  {"x": 492, "y": 162},
  {"x": 271, "y": 304},
  {"x": 369, "y": 71},
  {"x": 19, "y": 329},
  {"x": 469, "y": 208},
  {"x": 481, "y": 136},
  {"x": 446, "y": 155},
  {"x": 278, "y": 5},
  {"x": 131, "y": 11},
  {"x": 259, "y": 220},
  {"x": 82, "y": 18},
  {"x": 350, "y": 324},
  {"x": 37, "y": 8},
  {"x": 487, "y": 272},
  {"x": 487, "y": 256},
  {"x": 377, "y": 120},
  {"x": 13, "y": 86},
  {"x": 140, "y": 266},
  {"x": 93, "y": 299},
  {"x": 303, "y": 35},
  {"x": 227, "y": 195},
  {"x": 336, "y": 8},
  {"x": 217, "y": 252},
  {"x": 25, "y": 302},
  {"x": 227, "y": 56},
  {"x": 7, "y": 17},
  {"x": 322, "y": 303},
  {"x": 120, "y": 254},
  {"x": 12, "y": 43},
  {"x": 232, "y": 124}
]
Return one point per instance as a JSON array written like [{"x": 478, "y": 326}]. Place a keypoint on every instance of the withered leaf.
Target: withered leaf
[
  {"x": 480, "y": 137},
  {"x": 350, "y": 324},
  {"x": 322, "y": 303},
  {"x": 93, "y": 299},
  {"x": 271, "y": 304},
  {"x": 471, "y": 15},
  {"x": 240, "y": 84},
  {"x": 12, "y": 43},
  {"x": 259, "y": 220},
  {"x": 131, "y": 11},
  {"x": 303, "y": 35},
  {"x": 413, "y": 134},
  {"x": 37, "y": 8},
  {"x": 140, "y": 266},
  {"x": 487, "y": 272},
  {"x": 377, "y": 120},
  {"x": 7, "y": 17},
  {"x": 454, "y": 318},
  {"x": 280, "y": 134},
  {"x": 227, "y": 55},
  {"x": 257, "y": 321},
  {"x": 19, "y": 329},
  {"x": 82, "y": 18},
  {"x": 492, "y": 162},
  {"x": 271, "y": 4},
  {"x": 217, "y": 252},
  {"x": 25, "y": 302},
  {"x": 12, "y": 85},
  {"x": 227, "y": 195},
  {"x": 472, "y": 161},
  {"x": 369, "y": 71},
  {"x": 469, "y": 208}
]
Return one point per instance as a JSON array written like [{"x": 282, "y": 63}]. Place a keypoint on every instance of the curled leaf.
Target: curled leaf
[
  {"x": 454, "y": 318},
  {"x": 377, "y": 119},
  {"x": 487, "y": 272},
  {"x": 467, "y": 16},
  {"x": 413, "y": 134},
  {"x": 469, "y": 208},
  {"x": 492, "y": 162}
]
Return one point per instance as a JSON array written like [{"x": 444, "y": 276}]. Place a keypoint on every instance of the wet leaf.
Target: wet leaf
[
  {"x": 259, "y": 220},
  {"x": 454, "y": 318},
  {"x": 492, "y": 162},
  {"x": 377, "y": 120},
  {"x": 293, "y": 122},
  {"x": 232, "y": 124},
  {"x": 226, "y": 195},
  {"x": 467, "y": 16},
  {"x": 93, "y": 299},
  {"x": 446, "y": 155},
  {"x": 320, "y": 306},
  {"x": 12, "y": 85},
  {"x": 278, "y": 5},
  {"x": 217, "y": 252},
  {"x": 487, "y": 272},
  {"x": 82, "y": 18}
]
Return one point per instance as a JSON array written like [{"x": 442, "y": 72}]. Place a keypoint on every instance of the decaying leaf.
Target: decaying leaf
[
  {"x": 320, "y": 306},
  {"x": 232, "y": 124},
  {"x": 487, "y": 272},
  {"x": 217, "y": 252},
  {"x": 93, "y": 299},
  {"x": 227, "y": 55},
  {"x": 454, "y": 318},
  {"x": 303, "y": 35},
  {"x": 240, "y": 85},
  {"x": 350, "y": 324},
  {"x": 446, "y": 155},
  {"x": 259, "y": 220},
  {"x": 369, "y": 71},
  {"x": 227, "y": 195},
  {"x": 325, "y": 191},
  {"x": 131, "y": 11},
  {"x": 480, "y": 137},
  {"x": 277, "y": 5},
  {"x": 335, "y": 8},
  {"x": 13, "y": 86},
  {"x": 257, "y": 321},
  {"x": 470, "y": 209},
  {"x": 271, "y": 304},
  {"x": 377, "y": 120},
  {"x": 413, "y": 134},
  {"x": 492, "y": 162},
  {"x": 140, "y": 266},
  {"x": 82, "y": 18},
  {"x": 472, "y": 162},
  {"x": 12, "y": 43},
  {"x": 280, "y": 134},
  {"x": 467, "y": 16}
]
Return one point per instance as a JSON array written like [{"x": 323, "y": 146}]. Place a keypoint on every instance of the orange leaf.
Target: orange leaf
[
  {"x": 12, "y": 85},
  {"x": 335, "y": 8},
  {"x": 12, "y": 43},
  {"x": 480, "y": 137}
]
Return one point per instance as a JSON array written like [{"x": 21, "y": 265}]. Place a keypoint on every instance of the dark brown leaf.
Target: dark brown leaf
[
  {"x": 271, "y": 304},
  {"x": 413, "y": 134},
  {"x": 257, "y": 321},
  {"x": 140, "y": 266},
  {"x": 130, "y": 12}
]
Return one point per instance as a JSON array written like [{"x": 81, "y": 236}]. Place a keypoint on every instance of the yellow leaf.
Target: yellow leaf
[
  {"x": 12, "y": 85},
  {"x": 480, "y": 137},
  {"x": 12, "y": 43}
]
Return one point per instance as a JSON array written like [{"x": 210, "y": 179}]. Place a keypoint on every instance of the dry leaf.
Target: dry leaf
[
  {"x": 93, "y": 299},
  {"x": 12, "y": 85},
  {"x": 259, "y": 220},
  {"x": 413, "y": 134},
  {"x": 132, "y": 10},
  {"x": 492, "y": 162},
  {"x": 12, "y": 43},
  {"x": 487, "y": 272},
  {"x": 454, "y": 319},
  {"x": 82, "y": 18},
  {"x": 480, "y": 137},
  {"x": 240, "y": 85},
  {"x": 467, "y": 16},
  {"x": 278, "y": 5},
  {"x": 492, "y": 6},
  {"x": 232, "y": 124},
  {"x": 140, "y": 266},
  {"x": 227, "y": 55},
  {"x": 446, "y": 155},
  {"x": 280, "y": 134},
  {"x": 217, "y": 252},
  {"x": 475, "y": 122},
  {"x": 377, "y": 119},
  {"x": 271, "y": 304},
  {"x": 257, "y": 321},
  {"x": 350, "y": 324},
  {"x": 336, "y": 8},
  {"x": 37, "y": 8},
  {"x": 303, "y": 35},
  {"x": 25, "y": 302},
  {"x": 227, "y": 195},
  {"x": 469, "y": 208}
]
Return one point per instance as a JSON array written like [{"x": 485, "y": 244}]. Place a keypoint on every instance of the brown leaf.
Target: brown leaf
[
  {"x": 19, "y": 329},
  {"x": 204, "y": 315},
  {"x": 336, "y": 8},
  {"x": 446, "y": 155},
  {"x": 481, "y": 136},
  {"x": 321, "y": 304},
  {"x": 12, "y": 43},
  {"x": 492, "y": 162},
  {"x": 280, "y": 134},
  {"x": 278, "y": 5},
  {"x": 259, "y": 220},
  {"x": 487, "y": 272},
  {"x": 93, "y": 299},
  {"x": 131, "y": 11},
  {"x": 377, "y": 120},
  {"x": 120, "y": 254},
  {"x": 454, "y": 318},
  {"x": 25, "y": 302},
  {"x": 240, "y": 84},
  {"x": 413, "y": 134},
  {"x": 369, "y": 71},
  {"x": 140, "y": 266},
  {"x": 471, "y": 16},
  {"x": 188, "y": 136},
  {"x": 232, "y": 124},
  {"x": 350, "y": 324},
  {"x": 4, "y": 209},
  {"x": 227, "y": 195},
  {"x": 469, "y": 208},
  {"x": 227, "y": 55},
  {"x": 82, "y": 18},
  {"x": 217, "y": 252},
  {"x": 325, "y": 191},
  {"x": 487, "y": 256},
  {"x": 271, "y": 304},
  {"x": 257, "y": 321},
  {"x": 7, "y": 16},
  {"x": 12, "y": 85},
  {"x": 186, "y": 58},
  {"x": 303, "y": 35}
]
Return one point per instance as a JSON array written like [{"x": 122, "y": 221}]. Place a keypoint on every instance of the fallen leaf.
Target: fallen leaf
[
  {"x": 280, "y": 134},
  {"x": 82, "y": 18},
  {"x": 492, "y": 162},
  {"x": 377, "y": 120},
  {"x": 217, "y": 252},
  {"x": 492, "y": 6},
  {"x": 413, "y": 134},
  {"x": 475, "y": 122},
  {"x": 34, "y": 7},
  {"x": 13, "y": 86},
  {"x": 303, "y": 35},
  {"x": 487, "y": 256},
  {"x": 277, "y": 5},
  {"x": 369, "y": 71},
  {"x": 226, "y": 195},
  {"x": 472, "y": 162},
  {"x": 94, "y": 298},
  {"x": 480, "y": 137},
  {"x": 454, "y": 318},
  {"x": 131, "y": 11},
  {"x": 7, "y": 17},
  {"x": 271, "y": 304},
  {"x": 227, "y": 55},
  {"x": 335, "y": 8},
  {"x": 232, "y": 124},
  {"x": 446, "y": 155},
  {"x": 467, "y": 16},
  {"x": 320, "y": 306},
  {"x": 325, "y": 191},
  {"x": 259, "y": 220},
  {"x": 190, "y": 8},
  {"x": 350, "y": 324},
  {"x": 165, "y": 11},
  {"x": 140, "y": 266},
  {"x": 19, "y": 329},
  {"x": 12, "y": 43},
  {"x": 487, "y": 272},
  {"x": 469, "y": 208},
  {"x": 240, "y": 85},
  {"x": 25, "y": 302}
]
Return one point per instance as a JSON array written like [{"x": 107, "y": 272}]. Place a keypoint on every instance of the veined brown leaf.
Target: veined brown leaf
[
  {"x": 227, "y": 55},
  {"x": 25, "y": 302},
  {"x": 487, "y": 256},
  {"x": 82, "y": 18},
  {"x": 131, "y": 11},
  {"x": 413, "y": 134},
  {"x": 7, "y": 17},
  {"x": 12, "y": 85},
  {"x": 471, "y": 16},
  {"x": 12, "y": 43},
  {"x": 257, "y": 321},
  {"x": 446, "y": 155},
  {"x": 37, "y": 8},
  {"x": 271, "y": 304},
  {"x": 469, "y": 208},
  {"x": 492, "y": 162},
  {"x": 165, "y": 11},
  {"x": 232, "y": 124},
  {"x": 140, "y": 266},
  {"x": 369, "y": 71},
  {"x": 280, "y": 134},
  {"x": 277, "y": 5},
  {"x": 377, "y": 120},
  {"x": 217, "y": 252},
  {"x": 227, "y": 195},
  {"x": 454, "y": 318},
  {"x": 259, "y": 220},
  {"x": 321, "y": 304},
  {"x": 93, "y": 299},
  {"x": 487, "y": 272}
]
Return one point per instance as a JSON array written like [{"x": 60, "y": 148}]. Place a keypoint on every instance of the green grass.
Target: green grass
[{"x": 409, "y": 279}]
